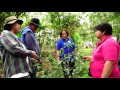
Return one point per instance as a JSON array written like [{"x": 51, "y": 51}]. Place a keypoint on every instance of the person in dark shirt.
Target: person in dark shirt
[{"x": 30, "y": 41}]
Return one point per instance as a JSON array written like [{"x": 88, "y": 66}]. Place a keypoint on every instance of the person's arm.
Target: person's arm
[
  {"x": 110, "y": 54},
  {"x": 87, "y": 58},
  {"x": 107, "y": 70},
  {"x": 58, "y": 47},
  {"x": 11, "y": 45},
  {"x": 30, "y": 41},
  {"x": 73, "y": 44},
  {"x": 58, "y": 56}
]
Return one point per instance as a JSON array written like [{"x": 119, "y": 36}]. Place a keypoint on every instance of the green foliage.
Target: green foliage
[
  {"x": 77, "y": 39},
  {"x": 81, "y": 29},
  {"x": 110, "y": 17},
  {"x": 61, "y": 20}
]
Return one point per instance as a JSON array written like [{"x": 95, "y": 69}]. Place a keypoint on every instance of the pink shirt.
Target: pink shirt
[{"x": 107, "y": 49}]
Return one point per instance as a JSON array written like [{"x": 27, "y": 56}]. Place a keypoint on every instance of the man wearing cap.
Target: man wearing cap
[
  {"x": 30, "y": 41},
  {"x": 14, "y": 54}
]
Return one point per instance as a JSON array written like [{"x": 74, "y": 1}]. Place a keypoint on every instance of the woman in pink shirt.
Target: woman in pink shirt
[{"x": 104, "y": 59}]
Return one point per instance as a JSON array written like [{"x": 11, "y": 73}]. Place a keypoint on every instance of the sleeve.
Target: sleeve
[
  {"x": 11, "y": 45},
  {"x": 30, "y": 41},
  {"x": 58, "y": 46},
  {"x": 73, "y": 44},
  {"x": 110, "y": 52}
]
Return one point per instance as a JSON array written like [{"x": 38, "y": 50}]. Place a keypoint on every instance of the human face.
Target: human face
[
  {"x": 64, "y": 35},
  {"x": 16, "y": 27},
  {"x": 99, "y": 34},
  {"x": 33, "y": 27}
]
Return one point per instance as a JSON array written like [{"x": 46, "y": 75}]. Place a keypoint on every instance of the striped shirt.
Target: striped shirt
[{"x": 13, "y": 54}]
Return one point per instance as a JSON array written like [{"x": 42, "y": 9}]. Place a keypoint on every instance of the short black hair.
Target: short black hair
[
  {"x": 65, "y": 31},
  {"x": 104, "y": 27},
  {"x": 8, "y": 27}
]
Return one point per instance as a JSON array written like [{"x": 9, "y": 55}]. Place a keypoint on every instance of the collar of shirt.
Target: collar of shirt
[
  {"x": 65, "y": 40},
  {"x": 99, "y": 43}
]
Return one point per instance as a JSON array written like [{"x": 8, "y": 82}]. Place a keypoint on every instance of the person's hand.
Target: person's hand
[
  {"x": 59, "y": 62},
  {"x": 34, "y": 55},
  {"x": 87, "y": 58},
  {"x": 34, "y": 61}
]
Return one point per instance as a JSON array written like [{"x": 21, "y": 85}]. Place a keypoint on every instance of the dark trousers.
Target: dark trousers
[
  {"x": 33, "y": 73},
  {"x": 71, "y": 66}
]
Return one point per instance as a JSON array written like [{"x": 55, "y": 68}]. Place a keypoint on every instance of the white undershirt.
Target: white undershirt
[{"x": 19, "y": 75}]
